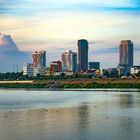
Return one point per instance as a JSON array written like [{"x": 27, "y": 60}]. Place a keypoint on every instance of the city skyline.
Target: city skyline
[
  {"x": 55, "y": 26},
  {"x": 10, "y": 47}
]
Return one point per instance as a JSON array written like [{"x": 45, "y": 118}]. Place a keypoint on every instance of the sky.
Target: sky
[{"x": 56, "y": 25}]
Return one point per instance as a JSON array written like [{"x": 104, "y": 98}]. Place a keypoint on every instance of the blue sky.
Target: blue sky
[{"x": 56, "y": 25}]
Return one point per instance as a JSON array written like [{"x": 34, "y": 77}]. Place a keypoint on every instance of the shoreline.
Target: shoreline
[
  {"x": 74, "y": 84},
  {"x": 76, "y": 89}
]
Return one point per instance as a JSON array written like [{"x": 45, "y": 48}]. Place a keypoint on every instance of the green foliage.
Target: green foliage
[
  {"x": 138, "y": 74},
  {"x": 80, "y": 85},
  {"x": 97, "y": 85}
]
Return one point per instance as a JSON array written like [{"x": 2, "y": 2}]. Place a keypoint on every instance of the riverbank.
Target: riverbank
[{"x": 74, "y": 83}]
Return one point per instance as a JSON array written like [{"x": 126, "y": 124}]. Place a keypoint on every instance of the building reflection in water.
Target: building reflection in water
[
  {"x": 114, "y": 116},
  {"x": 83, "y": 122},
  {"x": 126, "y": 127},
  {"x": 126, "y": 100},
  {"x": 128, "y": 123}
]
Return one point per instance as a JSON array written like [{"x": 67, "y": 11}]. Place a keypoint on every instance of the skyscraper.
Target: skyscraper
[
  {"x": 126, "y": 57},
  {"x": 69, "y": 61},
  {"x": 39, "y": 62},
  {"x": 82, "y": 55},
  {"x": 126, "y": 53},
  {"x": 39, "y": 58}
]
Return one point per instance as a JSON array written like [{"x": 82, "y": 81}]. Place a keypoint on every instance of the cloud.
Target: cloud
[
  {"x": 35, "y": 7},
  {"x": 2, "y": 1},
  {"x": 56, "y": 25},
  {"x": 59, "y": 29}
]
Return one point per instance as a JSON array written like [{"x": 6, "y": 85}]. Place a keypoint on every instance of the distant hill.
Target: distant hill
[{"x": 11, "y": 59}]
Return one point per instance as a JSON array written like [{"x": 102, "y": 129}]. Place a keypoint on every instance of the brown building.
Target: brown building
[
  {"x": 39, "y": 62},
  {"x": 39, "y": 58},
  {"x": 55, "y": 66},
  {"x": 126, "y": 53}
]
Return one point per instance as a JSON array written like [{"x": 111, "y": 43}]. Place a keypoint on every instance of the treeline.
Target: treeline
[
  {"x": 65, "y": 86},
  {"x": 9, "y": 76},
  {"x": 20, "y": 85},
  {"x": 101, "y": 85},
  {"x": 19, "y": 76}
]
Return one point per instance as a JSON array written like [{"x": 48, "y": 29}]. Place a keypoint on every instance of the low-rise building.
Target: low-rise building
[
  {"x": 94, "y": 65},
  {"x": 28, "y": 69},
  {"x": 135, "y": 69},
  {"x": 55, "y": 67},
  {"x": 110, "y": 72},
  {"x": 47, "y": 71}
]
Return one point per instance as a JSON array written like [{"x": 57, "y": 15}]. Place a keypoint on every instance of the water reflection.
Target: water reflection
[
  {"x": 83, "y": 116},
  {"x": 126, "y": 126},
  {"x": 126, "y": 100},
  {"x": 113, "y": 116},
  {"x": 83, "y": 122}
]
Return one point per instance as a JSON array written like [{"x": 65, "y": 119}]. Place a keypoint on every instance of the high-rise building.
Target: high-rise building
[
  {"x": 94, "y": 65},
  {"x": 82, "y": 55},
  {"x": 39, "y": 62},
  {"x": 69, "y": 61},
  {"x": 28, "y": 69},
  {"x": 39, "y": 58},
  {"x": 55, "y": 67},
  {"x": 126, "y": 53}
]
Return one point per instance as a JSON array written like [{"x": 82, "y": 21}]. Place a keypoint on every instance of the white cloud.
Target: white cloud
[
  {"x": 96, "y": 2},
  {"x": 71, "y": 26}
]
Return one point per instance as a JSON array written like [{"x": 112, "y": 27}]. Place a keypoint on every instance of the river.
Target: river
[{"x": 109, "y": 114}]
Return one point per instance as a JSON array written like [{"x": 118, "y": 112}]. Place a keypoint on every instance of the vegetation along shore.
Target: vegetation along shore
[{"x": 75, "y": 83}]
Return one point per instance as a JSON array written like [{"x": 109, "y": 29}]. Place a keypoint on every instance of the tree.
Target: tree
[
  {"x": 62, "y": 75},
  {"x": 138, "y": 74}
]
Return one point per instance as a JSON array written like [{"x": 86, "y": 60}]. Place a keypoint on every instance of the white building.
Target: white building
[
  {"x": 135, "y": 69},
  {"x": 38, "y": 70},
  {"x": 28, "y": 69},
  {"x": 69, "y": 61}
]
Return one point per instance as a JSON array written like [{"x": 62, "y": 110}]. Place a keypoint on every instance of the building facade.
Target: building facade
[
  {"x": 110, "y": 72},
  {"x": 126, "y": 53},
  {"x": 94, "y": 65},
  {"x": 55, "y": 67},
  {"x": 39, "y": 62},
  {"x": 28, "y": 69},
  {"x": 82, "y": 55},
  {"x": 126, "y": 56},
  {"x": 135, "y": 69},
  {"x": 69, "y": 61}
]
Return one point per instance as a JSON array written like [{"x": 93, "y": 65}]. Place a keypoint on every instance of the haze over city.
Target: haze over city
[{"x": 55, "y": 26}]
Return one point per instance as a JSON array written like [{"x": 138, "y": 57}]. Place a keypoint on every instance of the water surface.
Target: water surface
[{"x": 70, "y": 115}]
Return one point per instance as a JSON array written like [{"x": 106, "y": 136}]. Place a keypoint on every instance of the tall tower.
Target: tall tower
[
  {"x": 39, "y": 61},
  {"x": 126, "y": 53},
  {"x": 82, "y": 55},
  {"x": 69, "y": 61}
]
